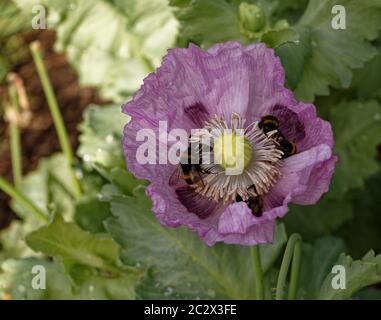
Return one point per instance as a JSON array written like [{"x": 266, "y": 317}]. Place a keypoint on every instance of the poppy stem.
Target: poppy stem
[
  {"x": 258, "y": 273},
  {"x": 15, "y": 140},
  {"x": 294, "y": 251},
  {"x": 25, "y": 202},
  {"x": 295, "y": 268},
  {"x": 63, "y": 136}
]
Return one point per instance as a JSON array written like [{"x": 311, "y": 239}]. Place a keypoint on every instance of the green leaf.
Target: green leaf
[
  {"x": 367, "y": 80},
  {"x": 75, "y": 246},
  {"x": 90, "y": 213},
  {"x": 12, "y": 20},
  {"x": 336, "y": 52},
  {"x": 55, "y": 192},
  {"x": 101, "y": 132},
  {"x": 359, "y": 274},
  {"x": 90, "y": 284},
  {"x": 294, "y": 56},
  {"x": 125, "y": 181},
  {"x": 357, "y": 130},
  {"x": 13, "y": 51},
  {"x": 112, "y": 44},
  {"x": 91, "y": 261},
  {"x": 16, "y": 282},
  {"x": 104, "y": 120},
  {"x": 180, "y": 265},
  {"x": 179, "y": 3},
  {"x": 276, "y": 38},
  {"x": 206, "y": 22},
  {"x": 317, "y": 262},
  {"x": 368, "y": 294},
  {"x": 290, "y": 10},
  {"x": 100, "y": 147},
  {"x": 366, "y": 222},
  {"x": 320, "y": 219},
  {"x": 12, "y": 240}
]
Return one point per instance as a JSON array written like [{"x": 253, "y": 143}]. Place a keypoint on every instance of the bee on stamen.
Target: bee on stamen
[
  {"x": 255, "y": 203},
  {"x": 287, "y": 147},
  {"x": 270, "y": 124},
  {"x": 189, "y": 171}
]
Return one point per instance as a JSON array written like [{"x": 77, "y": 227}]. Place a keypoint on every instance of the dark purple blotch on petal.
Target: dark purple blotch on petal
[
  {"x": 195, "y": 203},
  {"x": 197, "y": 114},
  {"x": 289, "y": 123}
]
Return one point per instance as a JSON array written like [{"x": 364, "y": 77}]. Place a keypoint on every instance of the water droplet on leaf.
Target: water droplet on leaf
[{"x": 21, "y": 288}]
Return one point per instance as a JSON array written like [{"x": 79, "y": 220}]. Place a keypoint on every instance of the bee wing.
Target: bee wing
[{"x": 176, "y": 176}]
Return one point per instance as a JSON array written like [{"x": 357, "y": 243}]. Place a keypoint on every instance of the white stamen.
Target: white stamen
[{"x": 262, "y": 171}]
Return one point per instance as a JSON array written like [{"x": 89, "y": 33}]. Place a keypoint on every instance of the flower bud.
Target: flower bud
[{"x": 251, "y": 17}]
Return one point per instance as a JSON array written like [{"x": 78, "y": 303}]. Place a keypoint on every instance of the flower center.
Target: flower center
[
  {"x": 233, "y": 151},
  {"x": 245, "y": 162}
]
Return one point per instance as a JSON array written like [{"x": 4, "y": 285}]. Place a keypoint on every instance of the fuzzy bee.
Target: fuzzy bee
[
  {"x": 190, "y": 169},
  {"x": 191, "y": 174},
  {"x": 255, "y": 203},
  {"x": 270, "y": 123}
]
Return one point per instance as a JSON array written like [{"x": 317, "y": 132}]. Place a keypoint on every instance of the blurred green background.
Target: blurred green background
[{"x": 97, "y": 53}]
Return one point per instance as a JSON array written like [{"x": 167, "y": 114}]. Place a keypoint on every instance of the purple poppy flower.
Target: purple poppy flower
[{"x": 231, "y": 86}]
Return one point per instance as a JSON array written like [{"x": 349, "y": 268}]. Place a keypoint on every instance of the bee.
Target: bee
[
  {"x": 287, "y": 147},
  {"x": 190, "y": 172},
  {"x": 192, "y": 175},
  {"x": 255, "y": 203},
  {"x": 270, "y": 123}
]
